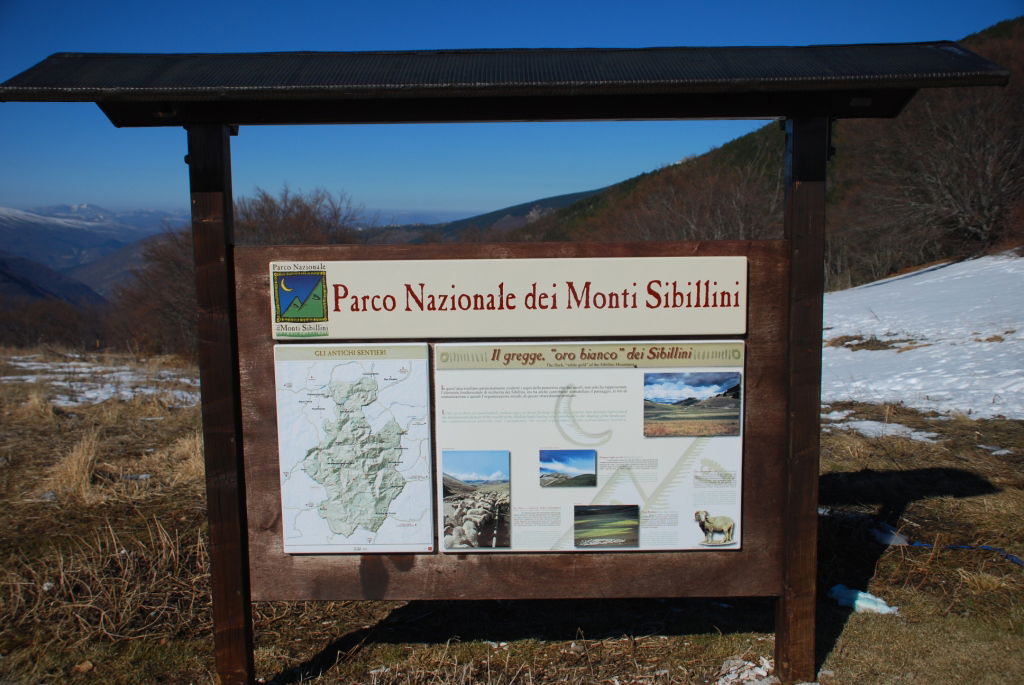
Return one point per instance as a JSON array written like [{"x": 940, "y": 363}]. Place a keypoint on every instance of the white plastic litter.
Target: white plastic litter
[
  {"x": 860, "y": 601},
  {"x": 887, "y": 535},
  {"x": 747, "y": 672}
]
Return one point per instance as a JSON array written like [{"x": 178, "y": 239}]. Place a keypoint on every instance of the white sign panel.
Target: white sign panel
[
  {"x": 509, "y": 298},
  {"x": 353, "y": 425},
  {"x": 581, "y": 446}
]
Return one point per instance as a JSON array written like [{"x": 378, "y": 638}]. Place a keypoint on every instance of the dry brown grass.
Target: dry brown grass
[
  {"x": 35, "y": 409},
  {"x": 112, "y": 559},
  {"x": 859, "y": 342},
  {"x": 71, "y": 478},
  {"x": 961, "y": 611},
  {"x": 186, "y": 459},
  {"x": 119, "y": 579},
  {"x": 111, "y": 586},
  {"x": 694, "y": 428},
  {"x": 109, "y": 460}
]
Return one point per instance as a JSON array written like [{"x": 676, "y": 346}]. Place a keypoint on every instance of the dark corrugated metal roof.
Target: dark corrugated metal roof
[
  {"x": 79, "y": 76},
  {"x": 124, "y": 79}
]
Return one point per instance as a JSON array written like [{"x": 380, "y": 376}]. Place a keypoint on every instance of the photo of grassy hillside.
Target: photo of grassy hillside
[
  {"x": 568, "y": 468},
  {"x": 606, "y": 525},
  {"x": 692, "y": 404}
]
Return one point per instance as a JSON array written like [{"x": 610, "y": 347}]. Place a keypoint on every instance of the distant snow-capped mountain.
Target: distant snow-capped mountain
[
  {"x": 80, "y": 212},
  {"x": 148, "y": 220},
  {"x": 18, "y": 218},
  {"x": 62, "y": 243}
]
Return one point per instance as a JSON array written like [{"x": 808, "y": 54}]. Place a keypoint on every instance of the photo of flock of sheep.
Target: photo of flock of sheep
[{"x": 477, "y": 497}]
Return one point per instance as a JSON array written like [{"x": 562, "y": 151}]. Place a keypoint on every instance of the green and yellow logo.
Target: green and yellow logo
[{"x": 300, "y": 296}]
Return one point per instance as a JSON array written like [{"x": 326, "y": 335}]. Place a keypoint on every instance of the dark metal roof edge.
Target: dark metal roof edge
[
  {"x": 993, "y": 75},
  {"x": 475, "y": 51},
  {"x": 807, "y": 84}
]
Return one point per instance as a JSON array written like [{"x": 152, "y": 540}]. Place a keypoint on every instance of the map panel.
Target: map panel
[{"x": 353, "y": 424}]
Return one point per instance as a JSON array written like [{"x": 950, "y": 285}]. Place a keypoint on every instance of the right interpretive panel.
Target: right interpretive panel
[{"x": 589, "y": 446}]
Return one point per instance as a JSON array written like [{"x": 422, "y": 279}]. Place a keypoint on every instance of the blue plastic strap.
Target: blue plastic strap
[{"x": 988, "y": 548}]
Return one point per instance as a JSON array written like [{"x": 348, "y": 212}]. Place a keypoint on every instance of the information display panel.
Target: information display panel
[
  {"x": 589, "y": 446},
  {"x": 353, "y": 425}
]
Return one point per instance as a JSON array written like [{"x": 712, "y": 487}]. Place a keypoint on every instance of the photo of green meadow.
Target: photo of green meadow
[{"x": 606, "y": 525}]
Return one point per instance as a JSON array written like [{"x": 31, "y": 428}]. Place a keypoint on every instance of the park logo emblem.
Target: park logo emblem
[{"x": 300, "y": 296}]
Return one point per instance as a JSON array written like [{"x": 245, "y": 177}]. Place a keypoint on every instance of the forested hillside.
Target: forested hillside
[{"x": 946, "y": 178}]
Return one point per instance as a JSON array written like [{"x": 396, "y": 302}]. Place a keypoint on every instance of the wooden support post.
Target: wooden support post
[
  {"x": 807, "y": 143},
  {"x": 209, "y": 160}
]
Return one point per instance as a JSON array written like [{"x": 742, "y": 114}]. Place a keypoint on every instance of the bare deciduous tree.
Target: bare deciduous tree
[
  {"x": 316, "y": 217},
  {"x": 155, "y": 311},
  {"x": 959, "y": 167},
  {"x": 710, "y": 201}
]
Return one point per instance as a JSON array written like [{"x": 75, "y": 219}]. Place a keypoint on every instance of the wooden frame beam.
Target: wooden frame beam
[
  {"x": 583, "y": 107},
  {"x": 209, "y": 161},
  {"x": 807, "y": 149}
]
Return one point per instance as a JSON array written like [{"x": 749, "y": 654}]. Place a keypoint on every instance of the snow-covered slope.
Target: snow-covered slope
[{"x": 963, "y": 323}]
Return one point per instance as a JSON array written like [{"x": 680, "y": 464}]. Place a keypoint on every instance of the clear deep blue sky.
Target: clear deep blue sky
[{"x": 70, "y": 153}]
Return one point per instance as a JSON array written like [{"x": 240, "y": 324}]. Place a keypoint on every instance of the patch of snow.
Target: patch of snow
[
  {"x": 877, "y": 429},
  {"x": 79, "y": 382},
  {"x": 969, "y": 318}
]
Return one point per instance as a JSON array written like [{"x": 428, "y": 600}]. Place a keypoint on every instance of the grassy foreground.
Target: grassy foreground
[{"x": 105, "y": 576}]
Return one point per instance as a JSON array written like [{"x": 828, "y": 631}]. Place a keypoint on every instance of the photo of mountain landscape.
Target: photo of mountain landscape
[
  {"x": 568, "y": 468},
  {"x": 692, "y": 404}
]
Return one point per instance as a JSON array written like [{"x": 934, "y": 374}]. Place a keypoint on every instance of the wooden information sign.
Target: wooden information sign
[
  {"x": 746, "y": 570},
  {"x": 781, "y": 384},
  {"x": 445, "y": 318}
]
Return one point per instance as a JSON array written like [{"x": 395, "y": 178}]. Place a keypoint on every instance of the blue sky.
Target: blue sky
[
  {"x": 699, "y": 385},
  {"x": 570, "y": 462},
  {"x": 69, "y": 152},
  {"x": 475, "y": 465}
]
